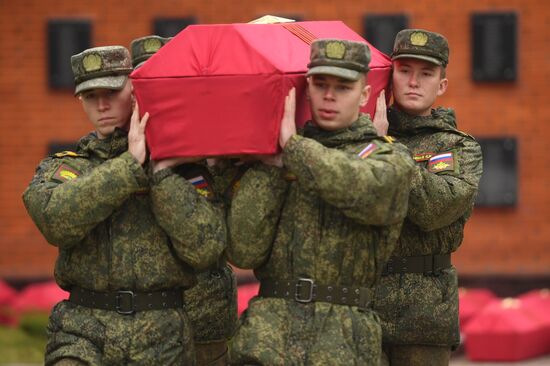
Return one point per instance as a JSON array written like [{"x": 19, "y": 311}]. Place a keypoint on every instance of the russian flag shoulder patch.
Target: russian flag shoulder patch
[
  {"x": 201, "y": 185},
  {"x": 369, "y": 149},
  {"x": 442, "y": 162}
]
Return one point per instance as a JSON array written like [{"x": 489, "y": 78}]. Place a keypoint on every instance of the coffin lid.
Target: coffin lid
[{"x": 246, "y": 49}]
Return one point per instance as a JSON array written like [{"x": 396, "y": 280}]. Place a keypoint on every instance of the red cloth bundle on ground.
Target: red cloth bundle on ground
[
  {"x": 538, "y": 302},
  {"x": 472, "y": 302},
  {"x": 7, "y": 296},
  {"x": 506, "y": 330},
  {"x": 220, "y": 89},
  {"x": 39, "y": 297}
]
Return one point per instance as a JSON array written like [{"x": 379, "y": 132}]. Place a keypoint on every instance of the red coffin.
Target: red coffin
[
  {"x": 244, "y": 294},
  {"x": 219, "y": 89},
  {"x": 506, "y": 331}
]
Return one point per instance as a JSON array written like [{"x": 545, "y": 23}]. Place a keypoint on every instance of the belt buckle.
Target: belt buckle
[
  {"x": 118, "y": 302},
  {"x": 301, "y": 282}
]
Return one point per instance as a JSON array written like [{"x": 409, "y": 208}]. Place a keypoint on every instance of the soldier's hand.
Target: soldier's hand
[
  {"x": 272, "y": 159},
  {"x": 380, "y": 120},
  {"x": 268, "y": 159},
  {"x": 288, "y": 123},
  {"x": 136, "y": 135},
  {"x": 171, "y": 162}
]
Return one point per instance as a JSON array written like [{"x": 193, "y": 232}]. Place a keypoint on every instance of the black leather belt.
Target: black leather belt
[
  {"x": 305, "y": 290},
  {"x": 426, "y": 264},
  {"x": 126, "y": 301}
]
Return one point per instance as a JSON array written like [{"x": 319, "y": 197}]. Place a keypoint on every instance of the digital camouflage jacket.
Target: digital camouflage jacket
[
  {"x": 212, "y": 303},
  {"x": 115, "y": 227},
  {"x": 417, "y": 308},
  {"x": 334, "y": 217}
]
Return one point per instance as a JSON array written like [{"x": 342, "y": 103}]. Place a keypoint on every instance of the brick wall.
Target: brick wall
[{"x": 513, "y": 240}]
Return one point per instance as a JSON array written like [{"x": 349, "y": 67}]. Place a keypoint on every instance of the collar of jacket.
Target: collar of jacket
[
  {"x": 110, "y": 147},
  {"x": 401, "y": 123},
  {"x": 359, "y": 131}
]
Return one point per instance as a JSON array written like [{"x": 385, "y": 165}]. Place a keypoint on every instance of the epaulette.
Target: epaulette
[
  {"x": 389, "y": 139},
  {"x": 71, "y": 154},
  {"x": 458, "y": 132},
  {"x": 466, "y": 134}
]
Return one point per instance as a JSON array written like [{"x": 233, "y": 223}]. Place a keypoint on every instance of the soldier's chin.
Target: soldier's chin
[{"x": 106, "y": 131}]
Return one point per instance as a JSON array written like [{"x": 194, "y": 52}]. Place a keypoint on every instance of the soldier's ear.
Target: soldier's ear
[
  {"x": 443, "y": 83},
  {"x": 365, "y": 94}
]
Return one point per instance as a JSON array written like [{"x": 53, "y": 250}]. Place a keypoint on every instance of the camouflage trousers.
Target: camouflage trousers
[
  {"x": 284, "y": 332},
  {"x": 419, "y": 309},
  {"x": 415, "y": 355},
  {"x": 211, "y": 354},
  {"x": 100, "y": 337},
  {"x": 211, "y": 305}
]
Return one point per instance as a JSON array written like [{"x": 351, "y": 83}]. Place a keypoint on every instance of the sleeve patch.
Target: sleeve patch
[
  {"x": 442, "y": 162},
  {"x": 372, "y": 147},
  {"x": 65, "y": 173},
  {"x": 201, "y": 186}
]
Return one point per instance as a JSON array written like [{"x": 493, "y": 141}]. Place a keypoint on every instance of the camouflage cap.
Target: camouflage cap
[
  {"x": 144, "y": 47},
  {"x": 337, "y": 57},
  {"x": 421, "y": 44},
  {"x": 101, "y": 67}
]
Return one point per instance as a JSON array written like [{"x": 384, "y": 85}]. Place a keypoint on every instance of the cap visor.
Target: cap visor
[
  {"x": 335, "y": 71},
  {"x": 106, "y": 82},
  {"x": 140, "y": 64},
  {"x": 433, "y": 60}
]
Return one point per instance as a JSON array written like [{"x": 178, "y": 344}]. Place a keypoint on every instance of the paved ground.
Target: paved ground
[
  {"x": 461, "y": 360},
  {"x": 457, "y": 360}
]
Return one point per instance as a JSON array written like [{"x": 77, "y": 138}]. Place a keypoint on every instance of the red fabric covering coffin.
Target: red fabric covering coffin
[
  {"x": 506, "y": 331},
  {"x": 220, "y": 89},
  {"x": 245, "y": 293}
]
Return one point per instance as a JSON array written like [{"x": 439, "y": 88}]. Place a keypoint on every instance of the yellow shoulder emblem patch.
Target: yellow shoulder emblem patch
[
  {"x": 65, "y": 173},
  {"x": 389, "y": 139}
]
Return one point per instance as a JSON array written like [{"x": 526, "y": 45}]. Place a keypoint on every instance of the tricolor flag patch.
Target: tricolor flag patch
[
  {"x": 65, "y": 173},
  {"x": 441, "y": 162},
  {"x": 201, "y": 185},
  {"x": 368, "y": 150}
]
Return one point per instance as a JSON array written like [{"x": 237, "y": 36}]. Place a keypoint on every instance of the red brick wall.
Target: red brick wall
[{"x": 496, "y": 241}]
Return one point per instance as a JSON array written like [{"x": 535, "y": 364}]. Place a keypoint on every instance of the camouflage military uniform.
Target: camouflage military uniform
[
  {"x": 419, "y": 311},
  {"x": 118, "y": 228},
  {"x": 212, "y": 303},
  {"x": 330, "y": 215},
  {"x": 417, "y": 308}
]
